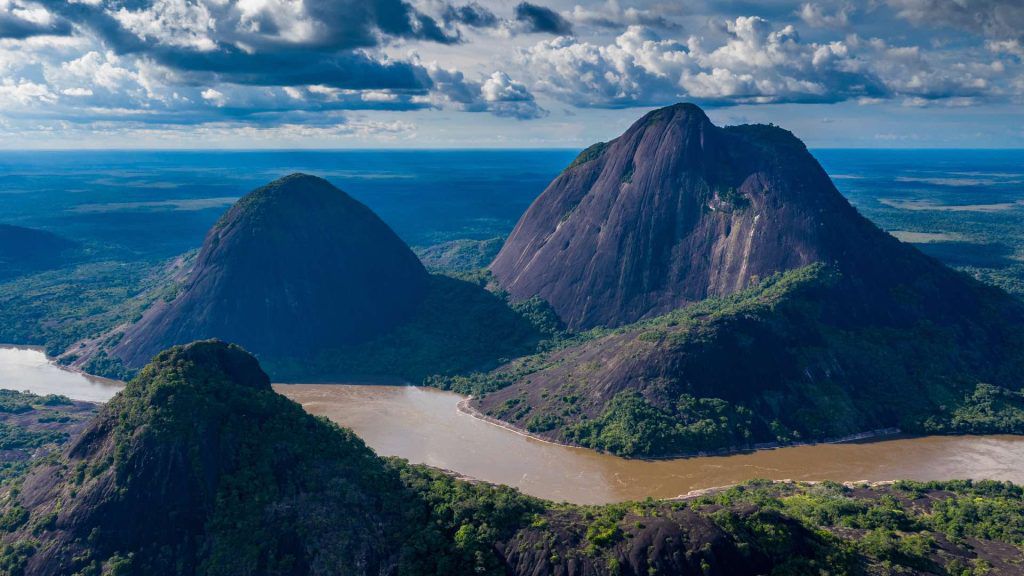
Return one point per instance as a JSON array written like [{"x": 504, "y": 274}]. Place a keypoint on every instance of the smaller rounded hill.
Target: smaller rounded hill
[{"x": 293, "y": 267}]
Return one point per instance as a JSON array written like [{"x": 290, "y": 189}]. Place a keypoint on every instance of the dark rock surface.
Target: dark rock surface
[
  {"x": 676, "y": 210},
  {"x": 293, "y": 267}
]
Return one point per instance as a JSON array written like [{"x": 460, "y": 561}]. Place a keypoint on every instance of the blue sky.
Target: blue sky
[{"x": 497, "y": 73}]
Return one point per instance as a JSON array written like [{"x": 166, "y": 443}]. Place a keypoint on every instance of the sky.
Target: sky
[{"x": 81, "y": 74}]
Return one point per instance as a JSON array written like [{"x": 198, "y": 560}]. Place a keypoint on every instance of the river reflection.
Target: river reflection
[{"x": 424, "y": 426}]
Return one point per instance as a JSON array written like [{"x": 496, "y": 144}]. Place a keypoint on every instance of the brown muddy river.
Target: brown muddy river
[{"x": 425, "y": 426}]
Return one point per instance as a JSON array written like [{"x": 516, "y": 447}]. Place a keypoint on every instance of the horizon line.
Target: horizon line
[{"x": 460, "y": 149}]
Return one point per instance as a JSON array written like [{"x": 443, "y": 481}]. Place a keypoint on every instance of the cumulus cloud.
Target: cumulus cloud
[
  {"x": 265, "y": 42},
  {"x": 215, "y": 97},
  {"x": 174, "y": 23},
  {"x": 992, "y": 18},
  {"x": 266, "y": 63},
  {"x": 498, "y": 94},
  {"x": 20, "y": 20},
  {"x": 1013, "y": 47},
  {"x": 814, "y": 15},
  {"x": 505, "y": 97},
  {"x": 534, "y": 18},
  {"x": 472, "y": 14},
  {"x": 612, "y": 15},
  {"x": 22, "y": 93},
  {"x": 103, "y": 70},
  {"x": 756, "y": 63},
  {"x": 261, "y": 62}
]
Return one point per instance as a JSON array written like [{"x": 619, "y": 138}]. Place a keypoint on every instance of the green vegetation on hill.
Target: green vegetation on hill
[
  {"x": 31, "y": 427},
  {"x": 632, "y": 426},
  {"x": 57, "y": 308},
  {"x": 458, "y": 523},
  {"x": 952, "y": 528},
  {"x": 459, "y": 256},
  {"x": 592, "y": 152},
  {"x": 236, "y": 479},
  {"x": 460, "y": 326},
  {"x": 212, "y": 473},
  {"x": 987, "y": 410},
  {"x": 767, "y": 364}
]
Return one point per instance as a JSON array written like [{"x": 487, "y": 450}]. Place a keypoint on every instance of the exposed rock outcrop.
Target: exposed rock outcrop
[
  {"x": 293, "y": 267},
  {"x": 865, "y": 332},
  {"x": 676, "y": 210}
]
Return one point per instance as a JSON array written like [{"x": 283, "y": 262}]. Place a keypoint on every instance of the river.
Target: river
[
  {"x": 425, "y": 426},
  {"x": 26, "y": 368}
]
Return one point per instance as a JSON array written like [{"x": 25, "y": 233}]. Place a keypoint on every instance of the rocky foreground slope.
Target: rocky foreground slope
[
  {"x": 199, "y": 467},
  {"x": 820, "y": 324}
]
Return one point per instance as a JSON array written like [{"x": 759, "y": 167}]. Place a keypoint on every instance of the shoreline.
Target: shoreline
[
  {"x": 66, "y": 367},
  {"x": 464, "y": 407},
  {"x": 692, "y": 494}
]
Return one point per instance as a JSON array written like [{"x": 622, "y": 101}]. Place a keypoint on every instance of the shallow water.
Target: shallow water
[
  {"x": 425, "y": 426},
  {"x": 28, "y": 369}
]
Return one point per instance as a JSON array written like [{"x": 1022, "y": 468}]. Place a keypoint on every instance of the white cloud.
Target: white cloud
[
  {"x": 991, "y": 18},
  {"x": 1012, "y": 47},
  {"x": 612, "y": 15},
  {"x": 498, "y": 94},
  {"x": 756, "y": 63},
  {"x": 103, "y": 70},
  {"x": 181, "y": 23},
  {"x": 25, "y": 93},
  {"x": 214, "y": 97},
  {"x": 814, "y": 15},
  {"x": 379, "y": 96},
  {"x": 286, "y": 20},
  {"x": 638, "y": 68}
]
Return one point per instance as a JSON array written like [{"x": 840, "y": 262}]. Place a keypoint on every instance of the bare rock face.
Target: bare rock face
[
  {"x": 674, "y": 211},
  {"x": 294, "y": 266},
  {"x": 823, "y": 325}
]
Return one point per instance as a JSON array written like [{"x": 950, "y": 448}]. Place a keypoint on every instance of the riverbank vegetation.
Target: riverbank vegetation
[
  {"x": 57, "y": 308},
  {"x": 776, "y": 363},
  {"x": 283, "y": 477}
]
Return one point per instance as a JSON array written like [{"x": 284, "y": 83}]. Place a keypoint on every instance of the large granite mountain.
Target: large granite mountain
[
  {"x": 817, "y": 324},
  {"x": 676, "y": 210},
  {"x": 199, "y": 468},
  {"x": 293, "y": 267}
]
